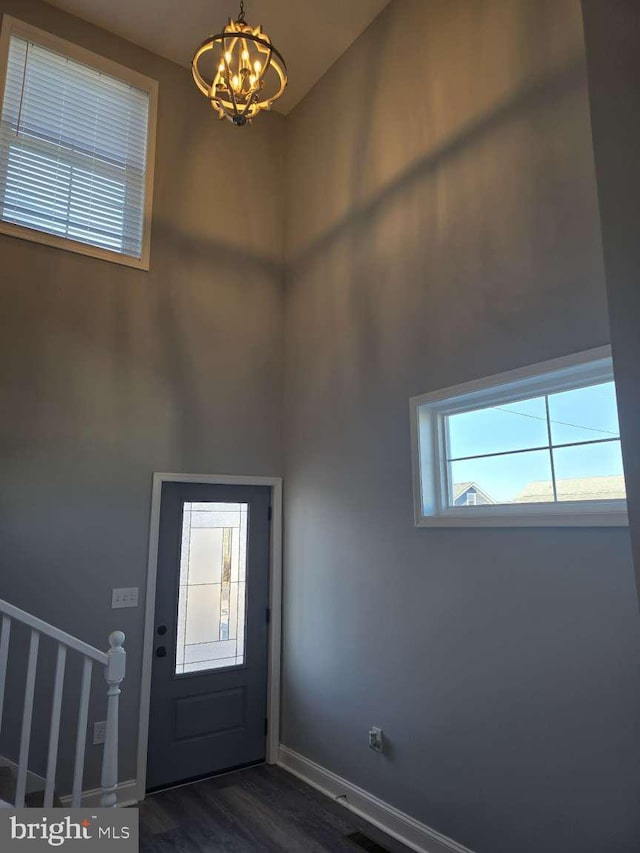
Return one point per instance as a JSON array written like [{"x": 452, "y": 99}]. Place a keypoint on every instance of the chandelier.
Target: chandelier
[{"x": 248, "y": 73}]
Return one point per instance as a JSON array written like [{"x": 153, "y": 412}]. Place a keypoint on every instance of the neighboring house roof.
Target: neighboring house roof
[
  {"x": 460, "y": 488},
  {"x": 578, "y": 489}
]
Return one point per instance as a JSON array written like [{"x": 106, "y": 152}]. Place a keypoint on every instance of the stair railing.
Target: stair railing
[{"x": 114, "y": 665}]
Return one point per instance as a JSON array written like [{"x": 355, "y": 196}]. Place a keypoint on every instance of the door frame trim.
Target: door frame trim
[{"x": 275, "y": 604}]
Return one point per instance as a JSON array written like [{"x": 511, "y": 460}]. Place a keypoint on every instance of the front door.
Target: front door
[{"x": 209, "y": 674}]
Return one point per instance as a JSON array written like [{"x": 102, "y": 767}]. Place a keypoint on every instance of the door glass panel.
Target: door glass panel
[{"x": 211, "y": 600}]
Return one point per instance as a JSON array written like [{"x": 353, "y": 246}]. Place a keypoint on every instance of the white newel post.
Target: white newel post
[{"x": 114, "y": 674}]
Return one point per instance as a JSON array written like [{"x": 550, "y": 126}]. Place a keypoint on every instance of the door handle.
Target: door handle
[
  {"x": 161, "y": 652},
  {"x": 162, "y": 630}
]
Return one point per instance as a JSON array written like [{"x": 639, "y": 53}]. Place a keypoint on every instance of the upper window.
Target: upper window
[
  {"x": 535, "y": 446},
  {"x": 76, "y": 148}
]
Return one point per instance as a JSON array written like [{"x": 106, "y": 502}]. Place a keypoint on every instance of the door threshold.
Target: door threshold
[{"x": 203, "y": 778}]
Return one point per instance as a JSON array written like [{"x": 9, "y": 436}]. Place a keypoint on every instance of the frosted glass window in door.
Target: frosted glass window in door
[{"x": 212, "y": 590}]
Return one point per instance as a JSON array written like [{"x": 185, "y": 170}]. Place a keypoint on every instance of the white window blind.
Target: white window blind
[{"x": 73, "y": 149}]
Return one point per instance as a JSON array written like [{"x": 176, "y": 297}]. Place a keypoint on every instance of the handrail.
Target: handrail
[
  {"x": 114, "y": 667},
  {"x": 55, "y": 633}
]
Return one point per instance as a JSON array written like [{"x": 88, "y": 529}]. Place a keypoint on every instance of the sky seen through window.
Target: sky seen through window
[{"x": 498, "y": 448}]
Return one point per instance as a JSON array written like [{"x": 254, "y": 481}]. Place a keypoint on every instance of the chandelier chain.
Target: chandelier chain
[{"x": 241, "y": 18}]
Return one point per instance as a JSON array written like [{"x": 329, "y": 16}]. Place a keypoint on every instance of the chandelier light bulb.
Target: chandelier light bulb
[{"x": 251, "y": 73}]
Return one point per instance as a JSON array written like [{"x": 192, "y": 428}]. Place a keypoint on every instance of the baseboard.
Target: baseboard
[
  {"x": 395, "y": 823},
  {"x": 127, "y": 796}
]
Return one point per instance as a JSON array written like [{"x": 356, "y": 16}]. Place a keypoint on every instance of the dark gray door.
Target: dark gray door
[{"x": 209, "y": 675}]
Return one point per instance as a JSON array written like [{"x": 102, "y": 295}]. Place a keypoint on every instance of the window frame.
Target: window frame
[
  {"x": 428, "y": 414},
  {"x": 12, "y": 26}
]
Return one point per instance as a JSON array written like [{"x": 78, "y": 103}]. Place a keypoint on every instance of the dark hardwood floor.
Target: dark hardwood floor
[{"x": 260, "y": 809}]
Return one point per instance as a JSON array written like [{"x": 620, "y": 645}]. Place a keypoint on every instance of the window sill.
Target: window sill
[
  {"x": 64, "y": 243},
  {"x": 597, "y": 514}
]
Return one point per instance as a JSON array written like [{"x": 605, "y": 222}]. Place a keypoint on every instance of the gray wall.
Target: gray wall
[
  {"x": 442, "y": 225},
  {"x": 612, "y": 34},
  {"x": 448, "y": 230},
  {"x": 109, "y": 374}
]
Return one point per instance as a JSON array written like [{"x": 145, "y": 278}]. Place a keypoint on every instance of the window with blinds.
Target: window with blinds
[{"x": 74, "y": 151}]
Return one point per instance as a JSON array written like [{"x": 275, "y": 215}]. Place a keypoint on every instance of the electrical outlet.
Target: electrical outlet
[
  {"x": 99, "y": 730},
  {"x": 127, "y": 597},
  {"x": 376, "y": 739}
]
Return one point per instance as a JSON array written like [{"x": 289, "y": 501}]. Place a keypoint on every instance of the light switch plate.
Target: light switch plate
[
  {"x": 125, "y": 597},
  {"x": 99, "y": 730}
]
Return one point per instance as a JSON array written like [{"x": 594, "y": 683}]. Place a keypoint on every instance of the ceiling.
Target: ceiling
[{"x": 311, "y": 34}]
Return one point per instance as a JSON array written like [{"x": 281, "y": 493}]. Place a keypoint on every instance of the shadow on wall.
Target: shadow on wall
[
  {"x": 436, "y": 115},
  {"x": 487, "y": 211},
  {"x": 561, "y": 84}
]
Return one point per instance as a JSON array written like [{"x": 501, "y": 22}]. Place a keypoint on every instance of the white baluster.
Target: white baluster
[
  {"x": 27, "y": 713},
  {"x": 54, "y": 730},
  {"x": 114, "y": 674},
  {"x": 4, "y": 653},
  {"x": 81, "y": 736}
]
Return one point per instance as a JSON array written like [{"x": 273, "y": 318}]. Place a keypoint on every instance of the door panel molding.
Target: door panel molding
[
  {"x": 275, "y": 608},
  {"x": 236, "y": 711}
]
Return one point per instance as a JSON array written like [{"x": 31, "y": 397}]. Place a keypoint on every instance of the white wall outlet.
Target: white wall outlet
[
  {"x": 376, "y": 739},
  {"x": 126, "y": 597},
  {"x": 99, "y": 731}
]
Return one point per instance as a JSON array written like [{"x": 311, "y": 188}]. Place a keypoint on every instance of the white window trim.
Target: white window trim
[
  {"x": 428, "y": 413},
  {"x": 12, "y": 26}
]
